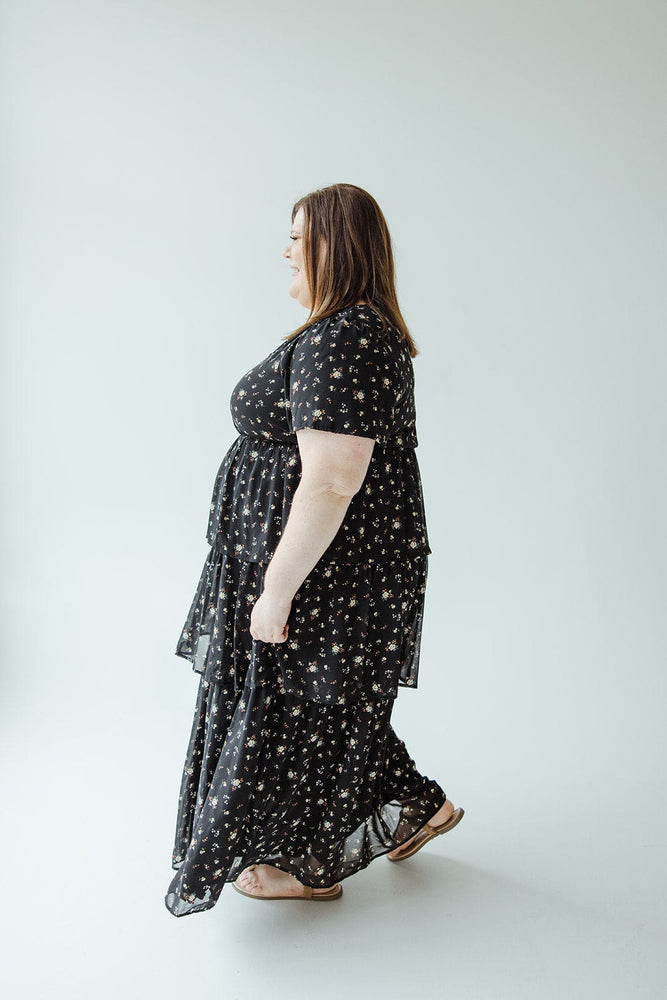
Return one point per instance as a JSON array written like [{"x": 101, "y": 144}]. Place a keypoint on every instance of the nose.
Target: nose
[{"x": 286, "y": 251}]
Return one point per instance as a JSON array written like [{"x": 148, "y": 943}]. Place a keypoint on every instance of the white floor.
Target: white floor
[{"x": 542, "y": 891}]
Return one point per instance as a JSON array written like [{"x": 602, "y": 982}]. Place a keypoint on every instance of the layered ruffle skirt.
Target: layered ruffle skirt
[{"x": 292, "y": 760}]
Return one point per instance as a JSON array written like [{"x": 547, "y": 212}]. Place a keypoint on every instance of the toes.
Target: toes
[{"x": 247, "y": 879}]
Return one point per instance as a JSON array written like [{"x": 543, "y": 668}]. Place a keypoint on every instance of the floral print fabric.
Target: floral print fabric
[
  {"x": 341, "y": 374},
  {"x": 318, "y": 791},
  {"x": 354, "y": 629},
  {"x": 292, "y": 760}
]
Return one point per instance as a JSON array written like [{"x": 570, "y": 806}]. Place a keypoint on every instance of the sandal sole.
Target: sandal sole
[{"x": 335, "y": 892}]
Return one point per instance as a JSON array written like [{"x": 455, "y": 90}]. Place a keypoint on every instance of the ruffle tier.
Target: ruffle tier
[
  {"x": 315, "y": 790},
  {"x": 354, "y": 629},
  {"x": 255, "y": 486}
]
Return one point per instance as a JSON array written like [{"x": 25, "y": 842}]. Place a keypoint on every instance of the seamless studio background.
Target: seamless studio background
[{"x": 517, "y": 150}]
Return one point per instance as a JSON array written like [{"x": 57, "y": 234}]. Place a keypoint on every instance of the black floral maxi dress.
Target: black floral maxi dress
[{"x": 292, "y": 760}]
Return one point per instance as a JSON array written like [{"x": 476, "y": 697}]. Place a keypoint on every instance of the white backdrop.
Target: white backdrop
[{"x": 518, "y": 152}]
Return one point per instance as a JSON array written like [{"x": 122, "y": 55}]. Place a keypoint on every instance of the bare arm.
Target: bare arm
[{"x": 334, "y": 467}]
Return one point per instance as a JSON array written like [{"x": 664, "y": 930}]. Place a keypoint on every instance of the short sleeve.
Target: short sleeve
[{"x": 344, "y": 379}]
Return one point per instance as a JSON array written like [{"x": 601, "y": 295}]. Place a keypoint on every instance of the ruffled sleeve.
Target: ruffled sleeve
[{"x": 345, "y": 379}]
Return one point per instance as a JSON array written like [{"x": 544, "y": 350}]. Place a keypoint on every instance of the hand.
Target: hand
[{"x": 268, "y": 620}]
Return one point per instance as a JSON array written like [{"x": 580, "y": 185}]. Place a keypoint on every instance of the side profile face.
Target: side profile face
[{"x": 298, "y": 287}]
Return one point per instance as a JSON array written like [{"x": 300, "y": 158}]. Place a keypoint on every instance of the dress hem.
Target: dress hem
[{"x": 341, "y": 878}]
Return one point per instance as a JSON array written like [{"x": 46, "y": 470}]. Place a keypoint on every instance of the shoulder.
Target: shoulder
[
  {"x": 353, "y": 345},
  {"x": 356, "y": 329},
  {"x": 356, "y": 319}
]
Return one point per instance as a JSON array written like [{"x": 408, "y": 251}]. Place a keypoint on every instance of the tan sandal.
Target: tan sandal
[
  {"x": 331, "y": 892},
  {"x": 426, "y": 833}
]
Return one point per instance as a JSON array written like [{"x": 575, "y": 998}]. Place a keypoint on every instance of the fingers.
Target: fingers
[{"x": 275, "y": 638}]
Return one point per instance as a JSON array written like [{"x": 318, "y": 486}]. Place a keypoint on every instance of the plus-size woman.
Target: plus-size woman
[{"x": 308, "y": 614}]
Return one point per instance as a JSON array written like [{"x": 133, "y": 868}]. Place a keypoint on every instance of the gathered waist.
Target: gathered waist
[{"x": 293, "y": 443}]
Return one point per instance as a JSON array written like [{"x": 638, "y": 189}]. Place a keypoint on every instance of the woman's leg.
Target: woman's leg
[{"x": 404, "y": 781}]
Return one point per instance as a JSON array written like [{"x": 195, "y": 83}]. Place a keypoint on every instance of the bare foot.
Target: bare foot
[
  {"x": 265, "y": 880},
  {"x": 442, "y": 815}
]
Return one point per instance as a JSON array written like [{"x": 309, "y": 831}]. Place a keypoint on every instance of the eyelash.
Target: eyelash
[{"x": 294, "y": 237}]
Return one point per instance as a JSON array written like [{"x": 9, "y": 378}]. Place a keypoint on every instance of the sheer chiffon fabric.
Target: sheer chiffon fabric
[
  {"x": 353, "y": 629},
  {"x": 315, "y": 790},
  {"x": 292, "y": 760}
]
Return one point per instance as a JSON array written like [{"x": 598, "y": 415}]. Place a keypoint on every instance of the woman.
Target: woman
[{"x": 308, "y": 613}]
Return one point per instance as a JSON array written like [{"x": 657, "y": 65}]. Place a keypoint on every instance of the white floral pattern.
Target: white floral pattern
[
  {"x": 341, "y": 374},
  {"x": 292, "y": 760}
]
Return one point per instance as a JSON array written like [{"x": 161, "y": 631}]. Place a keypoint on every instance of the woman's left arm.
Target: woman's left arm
[{"x": 334, "y": 467}]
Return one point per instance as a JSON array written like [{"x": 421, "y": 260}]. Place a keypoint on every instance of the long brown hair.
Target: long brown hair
[{"x": 348, "y": 256}]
